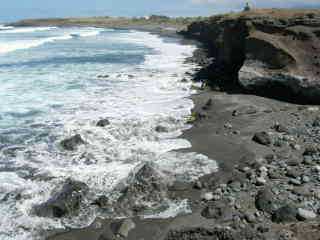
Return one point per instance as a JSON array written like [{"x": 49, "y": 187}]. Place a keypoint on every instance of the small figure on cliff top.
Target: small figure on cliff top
[{"x": 247, "y": 8}]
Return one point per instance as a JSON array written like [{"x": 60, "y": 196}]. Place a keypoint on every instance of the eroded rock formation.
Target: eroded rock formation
[{"x": 268, "y": 52}]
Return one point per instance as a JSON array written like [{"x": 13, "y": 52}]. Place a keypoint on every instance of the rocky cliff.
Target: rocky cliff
[{"x": 268, "y": 52}]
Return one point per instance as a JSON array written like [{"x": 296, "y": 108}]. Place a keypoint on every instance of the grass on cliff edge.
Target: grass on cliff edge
[{"x": 272, "y": 13}]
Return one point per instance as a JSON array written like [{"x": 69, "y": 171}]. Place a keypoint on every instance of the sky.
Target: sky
[{"x": 12, "y": 10}]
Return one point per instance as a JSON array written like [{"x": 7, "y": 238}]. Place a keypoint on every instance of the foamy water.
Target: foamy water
[{"x": 51, "y": 90}]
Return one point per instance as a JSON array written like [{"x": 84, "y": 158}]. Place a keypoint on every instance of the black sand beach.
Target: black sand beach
[{"x": 268, "y": 183}]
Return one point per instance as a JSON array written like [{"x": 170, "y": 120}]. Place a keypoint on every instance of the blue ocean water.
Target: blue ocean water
[{"x": 57, "y": 82}]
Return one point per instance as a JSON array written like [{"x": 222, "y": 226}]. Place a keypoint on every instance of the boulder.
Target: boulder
[
  {"x": 102, "y": 202},
  {"x": 145, "y": 189},
  {"x": 103, "y": 76},
  {"x": 304, "y": 214},
  {"x": 262, "y": 138},
  {"x": 124, "y": 227},
  {"x": 285, "y": 214},
  {"x": 161, "y": 129},
  {"x": 64, "y": 202},
  {"x": 103, "y": 123},
  {"x": 212, "y": 212},
  {"x": 266, "y": 201},
  {"x": 72, "y": 143}
]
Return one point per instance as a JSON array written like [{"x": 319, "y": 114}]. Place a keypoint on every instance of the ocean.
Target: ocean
[{"x": 58, "y": 82}]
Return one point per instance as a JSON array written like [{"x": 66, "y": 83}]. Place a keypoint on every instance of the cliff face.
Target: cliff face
[{"x": 269, "y": 52}]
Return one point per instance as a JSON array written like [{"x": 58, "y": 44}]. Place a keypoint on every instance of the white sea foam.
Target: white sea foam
[
  {"x": 2, "y": 27},
  {"x": 135, "y": 105},
  {"x": 6, "y": 47},
  {"x": 9, "y": 46},
  {"x": 24, "y": 29}
]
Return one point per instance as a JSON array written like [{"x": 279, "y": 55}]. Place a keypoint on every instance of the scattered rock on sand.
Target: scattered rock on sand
[
  {"x": 202, "y": 234},
  {"x": 103, "y": 123},
  {"x": 72, "y": 143},
  {"x": 262, "y": 138},
  {"x": 64, "y": 202}
]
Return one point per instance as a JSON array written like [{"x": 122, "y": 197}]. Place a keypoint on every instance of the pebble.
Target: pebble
[
  {"x": 208, "y": 196},
  {"x": 198, "y": 185},
  {"x": 307, "y": 160},
  {"x": 316, "y": 169},
  {"x": 250, "y": 218},
  {"x": 260, "y": 181},
  {"x": 262, "y": 138},
  {"x": 125, "y": 227},
  {"x": 304, "y": 214},
  {"x": 295, "y": 181},
  {"x": 305, "y": 179},
  {"x": 295, "y": 147},
  {"x": 313, "y": 109}
]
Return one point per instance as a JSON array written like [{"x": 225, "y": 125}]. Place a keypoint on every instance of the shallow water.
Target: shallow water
[{"x": 50, "y": 90}]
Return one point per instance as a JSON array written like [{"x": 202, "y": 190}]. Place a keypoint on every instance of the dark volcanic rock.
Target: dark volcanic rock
[
  {"x": 262, "y": 138},
  {"x": 266, "y": 201},
  {"x": 102, "y": 202},
  {"x": 267, "y": 52},
  {"x": 103, "y": 123},
  {"x": 211, "y": 211},
  {"x": 124, "y": 227},
  {"x": 72, "y": 143},
  {"x": 161, "y": 129},
  {"x": 281, "y": 128},
  {"x": 311, "y": 150},
  {"x": 145, "y": 189},
  {"x": 285, "y": 214},
  {"x": 64, "y": 202}
]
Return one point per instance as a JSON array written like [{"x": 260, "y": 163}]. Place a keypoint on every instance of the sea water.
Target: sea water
[{"x": 57, "y": 82}]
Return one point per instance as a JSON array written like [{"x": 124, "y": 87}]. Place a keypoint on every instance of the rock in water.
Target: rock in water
[
  {"x": 145, "y": 189},
  {"x": 102, "y": 202},
  {"x": 64, "y": 202},
  {"x": 72, "y": 143},
  {"x": 262, "y": 138},
  {"x": 161, "y": 129},
  {"x": 103, "y": 123}
]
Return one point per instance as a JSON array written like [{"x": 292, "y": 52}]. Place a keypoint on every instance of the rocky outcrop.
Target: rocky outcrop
[
  {"x": 145, "y": 190},
  {"x": 269, "y": 52},
  {"x": 64, "y": 202},
  {"x": 71, "y": 144}
]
